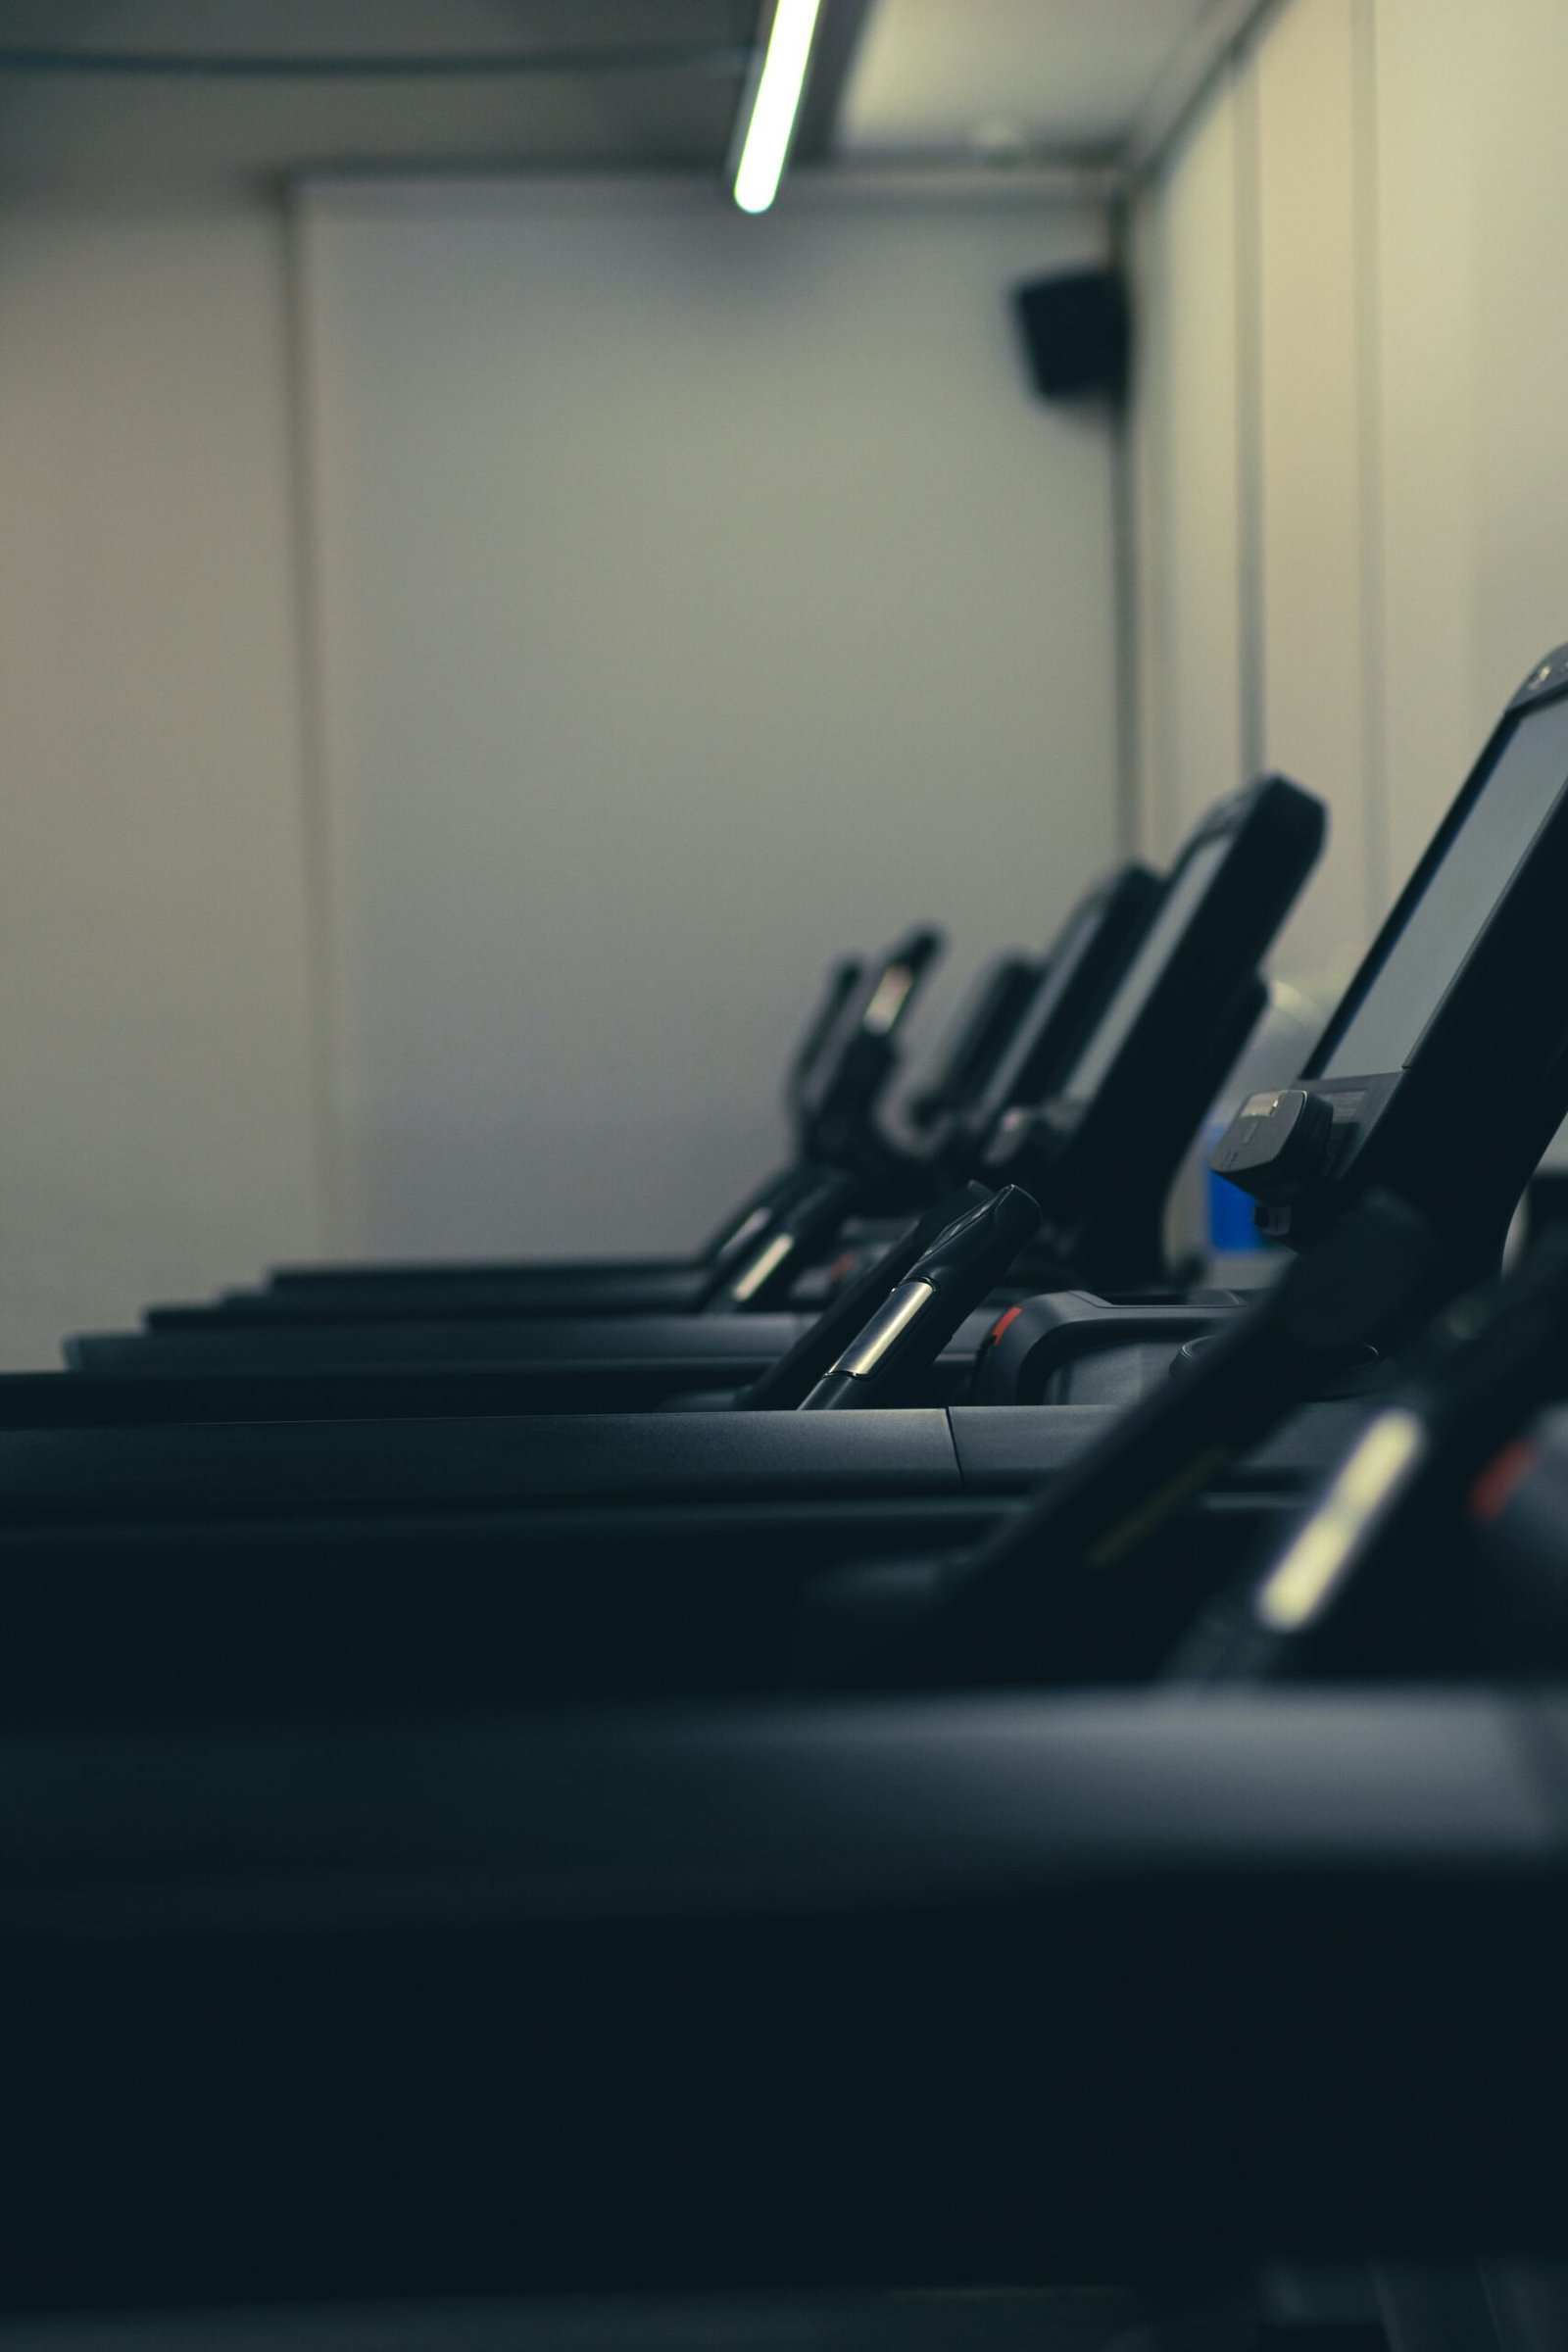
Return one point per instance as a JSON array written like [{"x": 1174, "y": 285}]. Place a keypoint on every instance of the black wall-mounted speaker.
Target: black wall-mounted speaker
[{"x": 1077, "y": 334}]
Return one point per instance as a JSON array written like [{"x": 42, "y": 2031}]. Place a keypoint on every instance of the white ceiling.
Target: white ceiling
[
  {"x": 934, "y": 80},
  {"x": 1057, "y": 76},
  {"x": 649, "y": 84}
]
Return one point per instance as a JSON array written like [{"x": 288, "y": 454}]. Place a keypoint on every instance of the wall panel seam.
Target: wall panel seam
[
  {"x": 1252, "y": 729},
  {"x": 323, "y": 974},
  {"x": 1366, "y": 213}
]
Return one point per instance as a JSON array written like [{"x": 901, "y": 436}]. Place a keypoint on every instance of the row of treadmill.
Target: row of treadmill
[{"x": 914, "y": 1751}]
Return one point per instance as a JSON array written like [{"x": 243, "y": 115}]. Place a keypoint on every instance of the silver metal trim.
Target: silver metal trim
[
  {"x": 887, "y": 999},
  {"x": 1304, "y": 1580},
  {"x": 891, "y": 1320},
  {"x": 767, "y": 1261}
]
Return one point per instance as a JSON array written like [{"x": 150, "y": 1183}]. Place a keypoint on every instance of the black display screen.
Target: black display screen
[
  {"x": 1177, "y": 908},
  {"x": 1079, "y": 937},
  {"x": 1503, "y": 819}
]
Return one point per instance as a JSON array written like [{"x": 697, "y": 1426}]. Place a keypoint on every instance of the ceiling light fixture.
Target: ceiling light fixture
[{"x": 775, "y": 103}]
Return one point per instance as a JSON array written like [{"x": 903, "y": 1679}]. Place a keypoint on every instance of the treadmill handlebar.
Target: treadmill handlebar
[
  {"x": 756, "y": 1217},
  {"x": 785, "y": 1385},
  {"x": 1071, "y": 1587},
  {"x": 1359, "y": 1583},
  {"x": 842, "y": 1093},
  {"x": 841, "y": 980},
  {"x": 917, "y": 1318},
  {"x": 769, "y": 1271}
]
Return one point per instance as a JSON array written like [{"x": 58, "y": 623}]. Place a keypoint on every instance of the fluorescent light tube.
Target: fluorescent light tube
[{"x": 775, "y": 104}]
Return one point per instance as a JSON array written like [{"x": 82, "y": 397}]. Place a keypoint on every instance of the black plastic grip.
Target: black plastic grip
[{"x": 890, "y": 1355}]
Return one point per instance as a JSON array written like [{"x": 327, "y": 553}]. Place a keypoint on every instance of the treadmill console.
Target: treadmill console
[
  {"x": 1100, "y": 1152},
  {"x": 1444, "y": 1072},
  {"x": 1096, "y": 945},
  {"x": 840, "y": 1093}
]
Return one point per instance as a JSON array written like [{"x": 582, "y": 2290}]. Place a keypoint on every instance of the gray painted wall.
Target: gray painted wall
[{"x": 699, "y": 594}]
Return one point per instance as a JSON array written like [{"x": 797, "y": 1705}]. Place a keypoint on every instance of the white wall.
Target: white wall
[
  {"x": 1372, "y": 200},
  {"x": 1187, "y": 474},
  {"x": 1441, "y": 687},
  {"x": 155, "y": 1055},
  {"x": 699, "y": 594},
  {"x": 605, "y": 794},
  {"x": 602, "y": 788},
  {"x": 1311, "y": 481}
]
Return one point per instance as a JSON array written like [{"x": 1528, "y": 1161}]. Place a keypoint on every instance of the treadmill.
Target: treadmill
[
  {"x": 1439, "y": 1075},
  {"x": 666, "y": 1550},
  {"x": 959, "y": 1106},
  {"x": 935, "y": 1992},
  {"x": 1020, "y": 1045},
  {"x": 837, "y": 1087},
  {"x": 932, "y": 1992},
  {"x": 1396, "y": 1185},
  {"x": 1175, "y": 1023},
  {"x": 946, "y": 1995},
  {"x": 1472, "y": 935},
  {"x": 475, "y": 1362},
  {"x": 784, "y": 1996},
  {"x": 982, "y": 1031}
]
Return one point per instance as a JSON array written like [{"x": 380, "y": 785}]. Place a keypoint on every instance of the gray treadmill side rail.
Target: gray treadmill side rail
[
  {"x": 714, "y": 1344},
  {"x": 231, "y": 1469},
  {"x": 950, "y": 1992}
]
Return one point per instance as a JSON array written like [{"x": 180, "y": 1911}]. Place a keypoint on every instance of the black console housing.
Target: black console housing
[
  {"x": 1442, "y": 1074},
  {"x": 1101, "y": 1153}
]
